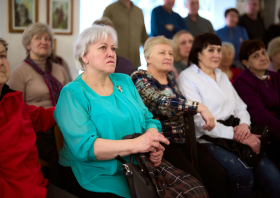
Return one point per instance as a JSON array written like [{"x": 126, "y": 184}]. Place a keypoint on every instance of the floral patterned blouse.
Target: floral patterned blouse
[{"x": 164, "y": 101}]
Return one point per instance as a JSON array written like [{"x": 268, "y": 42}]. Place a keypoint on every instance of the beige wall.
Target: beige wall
[
  {"x": 241, "y": 7},
  {"x": 16, "y": 52}
]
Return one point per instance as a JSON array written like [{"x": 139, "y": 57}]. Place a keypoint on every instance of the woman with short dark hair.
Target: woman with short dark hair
[
  {"x": 232, "y": 32},
  {"x": 204, "y": 82},
  {"x": 260, "y": 90}
]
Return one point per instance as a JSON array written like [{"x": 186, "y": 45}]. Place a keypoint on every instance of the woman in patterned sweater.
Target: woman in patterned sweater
[{"x": 160, "y": 94}]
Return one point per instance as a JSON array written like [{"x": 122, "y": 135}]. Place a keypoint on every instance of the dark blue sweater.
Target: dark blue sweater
[
  {"x": 235, "y": 36},
  {"x": 160, "y": 18}
]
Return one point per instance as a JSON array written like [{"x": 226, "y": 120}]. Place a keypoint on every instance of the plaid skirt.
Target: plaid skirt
[{"x": 172, "y": 182}]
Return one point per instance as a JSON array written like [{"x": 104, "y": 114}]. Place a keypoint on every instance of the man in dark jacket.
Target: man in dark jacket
[{"x": 252, "y": 22}]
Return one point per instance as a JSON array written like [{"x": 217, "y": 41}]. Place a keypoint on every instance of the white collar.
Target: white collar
[{"x": 196, "y": 69}]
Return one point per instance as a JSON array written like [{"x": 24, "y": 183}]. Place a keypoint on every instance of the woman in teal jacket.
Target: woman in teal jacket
[{"x": 94, "y": 112}]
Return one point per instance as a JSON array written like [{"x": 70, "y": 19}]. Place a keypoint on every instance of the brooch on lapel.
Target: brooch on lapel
[{"x": 119, "y": 88}]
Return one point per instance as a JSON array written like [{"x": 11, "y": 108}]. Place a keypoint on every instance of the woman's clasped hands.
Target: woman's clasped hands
[
  {"x": 150, "y": 142},
  {"x": 243, "y": 135}
]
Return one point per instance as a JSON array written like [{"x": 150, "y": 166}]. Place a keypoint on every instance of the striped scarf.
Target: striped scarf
[{"x": 53, "y": 84}]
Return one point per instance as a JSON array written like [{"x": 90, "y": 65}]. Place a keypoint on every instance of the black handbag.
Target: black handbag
[
  {"x": 144, "y": 180},
  {"x": 243, "y": 151},
  {"x": 138, "y": 179}
]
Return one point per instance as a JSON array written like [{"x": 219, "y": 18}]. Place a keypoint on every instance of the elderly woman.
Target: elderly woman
[
  {"x": 273, "y": 51},
  {"x": 232, "y": 32},
  {"x": 204, "y": 82},
  {"x": 36, "y": 77},
  {"x": 20, "y": 171},
  {"x": 95, "y": 112},
  {"x": 227, "y": 60},
  {"x": 260, "y": 90},
  {"x": 182, "y": 44},
  {"x": 40, "y": 81},
  {"x": 123, "y": 65},
  {"x": 160, "y": 94}
]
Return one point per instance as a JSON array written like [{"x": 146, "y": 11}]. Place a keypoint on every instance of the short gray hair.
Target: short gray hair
[
  {"x": 104, "y": 21},
  {"x": 229, "y": 46},
  {"x": 5, "y": 44},
  {"x": 273, "y": 46},
  {"x": 90, "y": 36},
  {"x": 153, "y": 41},
  {"x": 35, "y": 28}
]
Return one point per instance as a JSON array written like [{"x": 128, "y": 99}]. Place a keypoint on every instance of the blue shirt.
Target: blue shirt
[
  {"x": 233, "y": 35},
  {"x": 160, "y": 18},
  {"x": 83, "y": 115}
]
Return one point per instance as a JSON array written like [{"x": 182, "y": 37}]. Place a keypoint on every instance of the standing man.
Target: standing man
[
  {"x": 252, "y": 22},
  {"x": 129, "y": 24},
  {"x": 165, "y": 22},
  {"x": 196, "y": 24}
]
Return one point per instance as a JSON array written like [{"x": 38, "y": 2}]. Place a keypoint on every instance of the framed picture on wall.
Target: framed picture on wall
[
  {"x": 21, "y": 14},
  {"x": 60, "y": 16}
]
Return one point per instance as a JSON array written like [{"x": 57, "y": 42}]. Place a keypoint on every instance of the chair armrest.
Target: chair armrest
[
  {"x": 190, "y": 136},
  {"x": 58, "y": 139}
]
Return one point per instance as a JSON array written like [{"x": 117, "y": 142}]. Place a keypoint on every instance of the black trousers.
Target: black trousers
[
  {"x": 273, "y": 150},
  {"x": 72, "y": 186},
  {"x": 55, "y": 192},
  {"x": 45, "y": 143},
  {"x": 178, "y": 156}
]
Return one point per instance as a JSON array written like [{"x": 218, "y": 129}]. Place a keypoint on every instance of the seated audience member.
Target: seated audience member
[
  {"x": 233, "y": 33},
  {"x": 94, "y": 113},
  {"x": 273, "y": 51},
  {"x": 182, "y": 44},
  {"x": 252, "y": 21},
  {"x": 273, "y": 30},
  {"x": 260, "y": 90},
  {"x": 204, "y": 82},
  {"x": 40, "y": 82},
  {"x": 160, "y": 94},
  {"x": 37, "y": 77},
  {"x": 227, "y": 60},
  {"x": 195, "y": 23},
  {"x": 123, "y": 65},
  {"x": 20, "y": 173},
  {"x": 129, "y": 23},
  {"x": 165, "y": 22}
]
